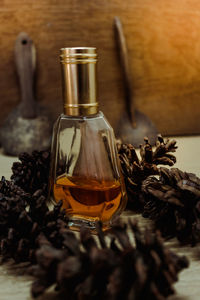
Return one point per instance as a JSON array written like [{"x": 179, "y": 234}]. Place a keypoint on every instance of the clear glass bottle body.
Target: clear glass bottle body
[{"x": 85, "y": 172}]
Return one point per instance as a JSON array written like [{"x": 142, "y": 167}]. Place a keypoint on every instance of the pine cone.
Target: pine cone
[
  {"x": 12, "y": 202},
  {"x": 32, "y": 172},
  {"x": 9, "y": 189},
  {"x": 23, "y": 217},
  {"x": 173, "y": 202},
  {"x": 136, "y": 170},
  {"x": 114, "y": 270}
]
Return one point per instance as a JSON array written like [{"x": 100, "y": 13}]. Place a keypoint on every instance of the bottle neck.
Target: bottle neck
[{"x": 79, "y": 83}]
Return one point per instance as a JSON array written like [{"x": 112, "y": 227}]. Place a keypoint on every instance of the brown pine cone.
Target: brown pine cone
[
  {"x": 9, "y": 189},
  {"x": 24, "y": 217},
  {"x": 13, "y": 201},
  {"x": 136, "y": 169},
  {"x": 173, "y": 202},
  {"x": 32, "y": 172},
  {"x": 114, "y": 270}
]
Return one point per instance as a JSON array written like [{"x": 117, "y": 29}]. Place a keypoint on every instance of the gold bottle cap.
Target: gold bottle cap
[{"x": 78, "y": 67}]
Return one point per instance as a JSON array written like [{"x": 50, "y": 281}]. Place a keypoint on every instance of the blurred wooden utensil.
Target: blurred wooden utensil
[
  {"x": 28, "y": 127},
  {"x": 133, "y": 125}
]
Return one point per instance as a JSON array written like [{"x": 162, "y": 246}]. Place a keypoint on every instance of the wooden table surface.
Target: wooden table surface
[{"x": 16, "y": 286}]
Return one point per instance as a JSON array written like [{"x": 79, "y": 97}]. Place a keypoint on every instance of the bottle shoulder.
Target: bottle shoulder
[{"x": 94, "y": 122}]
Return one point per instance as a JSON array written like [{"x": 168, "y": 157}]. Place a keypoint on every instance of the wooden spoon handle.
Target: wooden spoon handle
[
  {"x": 25, "y": 59},
  {"x": 126, "y": 70}
]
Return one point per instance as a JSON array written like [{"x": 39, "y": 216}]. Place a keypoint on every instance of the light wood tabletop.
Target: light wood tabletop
[{"x": 15, "y": 286}]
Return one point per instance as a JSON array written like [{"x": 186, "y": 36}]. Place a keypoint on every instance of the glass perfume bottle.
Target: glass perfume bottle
[{"x": 85, "y": 172}]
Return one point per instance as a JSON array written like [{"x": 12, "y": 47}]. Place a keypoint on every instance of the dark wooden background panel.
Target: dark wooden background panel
[{"x": 163, "y": 38}]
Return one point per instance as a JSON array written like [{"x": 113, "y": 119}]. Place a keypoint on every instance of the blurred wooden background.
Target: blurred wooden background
[{"x": 163, "y": 38}]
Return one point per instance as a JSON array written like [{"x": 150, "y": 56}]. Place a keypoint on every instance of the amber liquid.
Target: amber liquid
[{"x": 88, "y": 199}]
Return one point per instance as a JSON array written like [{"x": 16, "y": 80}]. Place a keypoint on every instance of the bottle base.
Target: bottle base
[{"x": 76, "y": 224}]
